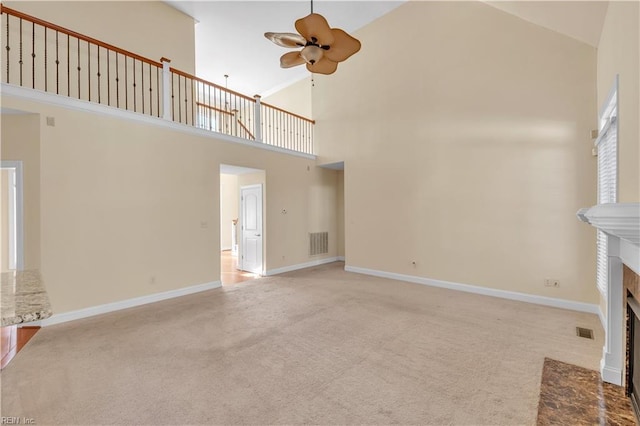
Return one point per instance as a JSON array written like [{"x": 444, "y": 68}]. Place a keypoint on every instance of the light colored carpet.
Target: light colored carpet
[{"x": 318, "y": 346}]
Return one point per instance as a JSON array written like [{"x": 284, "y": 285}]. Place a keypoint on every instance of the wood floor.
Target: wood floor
[
  {"x": 14, "y": 339},
  {"x": 230, "y": 273}
]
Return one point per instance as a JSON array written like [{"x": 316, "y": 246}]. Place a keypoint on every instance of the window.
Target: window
[{"x": 607, "y": 147}]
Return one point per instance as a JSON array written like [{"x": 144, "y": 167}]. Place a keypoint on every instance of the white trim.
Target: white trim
[
  {"x": 630, "y": 255},
  {"x": 621, "y": 220},
  {"x": 340, "y": 258},
  {"x": 504, "y": 294},
  {"x": 603, "y": 319},
  {"x": 225, "y": 248},
  {"x": 19, "y": 216},
  {"x": 301, "y": 266},
  {"x": 125, "y": 304},
  {"x": 609, "y": 374},
  {"x": 86, "y": 106}
]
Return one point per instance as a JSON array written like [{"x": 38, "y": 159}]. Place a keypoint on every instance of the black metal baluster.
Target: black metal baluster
[
  {"x": 134, "y": 85},
  {"x": 20, "y": 60},
  {"x": 33, "y": 55},
  {"x": 158, "y": 89},
  {"x": 186, "y": 110},
  {"x": 117, "y": 82},
  {"x": 126, "y": 85},
  {"x": 46, "y": 75},
  {"x": 68, "y": 65},
  {"x": 179, "y": 101},
  {"x": 7, "y": 48},
  {"x": 193, "y": 110},
  {"x": 98, "y": 75},
  {"x": 173, "y": 102},
  {"x": 57, "y": 66},
  {"x": 142, "y": 85},
  {"x": 209, "y": 103},
  {"x": 150, "y": 93},
  {"x": 79, "y": 69},
  {"x": 89, "y": 69},
  {"x": 108, "y": 78}
]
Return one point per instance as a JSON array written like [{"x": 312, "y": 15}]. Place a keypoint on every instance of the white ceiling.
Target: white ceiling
[
  {"x": 230, "y": 37},
  {"x": 230, "y": 34}
]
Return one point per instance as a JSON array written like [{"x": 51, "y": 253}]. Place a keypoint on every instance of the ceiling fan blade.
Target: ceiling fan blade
[
  {"x": 286, "y": 39},
  {"x": 343, "y": 46},
  {"x": 291, "y": 59},
  {"x": 323, "y": 66},
  {"x": 314, "y": 26}
]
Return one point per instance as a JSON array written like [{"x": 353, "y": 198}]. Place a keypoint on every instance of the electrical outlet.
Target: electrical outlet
[
  {"x": 551, "y": 282},
  {"x": 152, "y": 280}
]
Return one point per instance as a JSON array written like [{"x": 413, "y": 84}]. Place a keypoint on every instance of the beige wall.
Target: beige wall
[
  {"x": 151, "y": 29},
  {"x": 124, "y": 201},
  {"x": 21, "y": 142},
  {"x": 619, "y": 53},
  {"x": 228, "y": 208},
  {"x": 469, "y": 155},
  {"x": 295, "y": 98}
]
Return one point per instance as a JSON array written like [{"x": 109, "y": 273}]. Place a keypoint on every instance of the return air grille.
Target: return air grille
[
  {"x": 318, "y": 243},
  {"x": 587, "y": 333}
]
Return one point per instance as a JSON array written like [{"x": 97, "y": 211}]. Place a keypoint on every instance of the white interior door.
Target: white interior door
[
  {"x": 11, "y": 216},
  {"x": 251, "y": 207}
]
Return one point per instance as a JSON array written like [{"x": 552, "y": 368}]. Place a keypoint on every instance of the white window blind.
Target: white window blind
[{"x": 607, "y": 146}]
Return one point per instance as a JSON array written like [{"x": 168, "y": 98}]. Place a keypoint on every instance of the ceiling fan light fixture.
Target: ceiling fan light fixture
[{"x": 312, "y": 54}]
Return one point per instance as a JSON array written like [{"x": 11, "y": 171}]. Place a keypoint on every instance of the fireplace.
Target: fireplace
[
  {"x": 631, "y": 283},
  {"x": 633, "y": 352}
]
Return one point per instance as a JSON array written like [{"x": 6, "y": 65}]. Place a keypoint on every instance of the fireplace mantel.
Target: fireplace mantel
[
  {"x": 618, "y": 219},
  {"x": 621, "y": 221}
]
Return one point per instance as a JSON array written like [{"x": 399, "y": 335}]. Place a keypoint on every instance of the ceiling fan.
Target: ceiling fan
[{"x": 322, "y": 46}]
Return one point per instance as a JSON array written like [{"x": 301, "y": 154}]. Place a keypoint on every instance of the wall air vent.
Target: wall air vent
[
  {"x": 587, "y": 333},
  {"x": 318, "y": 243}
]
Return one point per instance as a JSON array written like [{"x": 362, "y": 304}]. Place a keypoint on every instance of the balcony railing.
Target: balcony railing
[{"x": 44, "y": 56}]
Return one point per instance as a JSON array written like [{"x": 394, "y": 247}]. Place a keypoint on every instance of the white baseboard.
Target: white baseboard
[
  {"x": 341, "y": 258},
  {"x": 609, "y": 374},
  {"x": 225, "y": 248},
  {"x": 504, "y": 294},
  {"x": 124, "y": 304},
  {"x": 300, "y": 266}
]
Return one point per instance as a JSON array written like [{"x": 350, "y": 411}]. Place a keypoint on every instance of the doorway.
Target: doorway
[
  {"x": 242, "y": 253},
  {"x": 12, "y": 216}
]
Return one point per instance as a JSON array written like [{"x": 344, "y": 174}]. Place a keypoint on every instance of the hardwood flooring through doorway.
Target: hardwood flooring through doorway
[{"x": 230, "y": 274}]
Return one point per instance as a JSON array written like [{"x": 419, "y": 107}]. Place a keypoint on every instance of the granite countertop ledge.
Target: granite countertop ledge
[{"x": 24, "y": 298}]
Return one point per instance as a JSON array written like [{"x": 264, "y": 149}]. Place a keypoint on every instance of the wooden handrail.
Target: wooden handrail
[
  {"x": 288, "y": 112},
  {"x": 246, "y": 130},
  {"x": 201, "y": 80},
  {"x": 54, "y": 27},
  {"x": 213, "y": 108}
]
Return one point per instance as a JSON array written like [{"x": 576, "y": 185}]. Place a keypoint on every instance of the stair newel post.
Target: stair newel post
[
  {"x": 166, "y": 89},
  {"x": 257, "y": 121}
]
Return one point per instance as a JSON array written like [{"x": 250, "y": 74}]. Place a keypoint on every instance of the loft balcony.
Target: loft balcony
[{"x": 46, "y": 57}]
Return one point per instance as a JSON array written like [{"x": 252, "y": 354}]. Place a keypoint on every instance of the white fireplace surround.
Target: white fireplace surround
[{"x": 621, "y": 222}]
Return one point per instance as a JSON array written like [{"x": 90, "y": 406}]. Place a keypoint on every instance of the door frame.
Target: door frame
[
  {"x": 16, "y": 215},
  {"x": 241, "y": 250}
]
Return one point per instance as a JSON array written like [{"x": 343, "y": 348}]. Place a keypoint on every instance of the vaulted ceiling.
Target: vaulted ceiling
[{"x": 229, "y": 34}]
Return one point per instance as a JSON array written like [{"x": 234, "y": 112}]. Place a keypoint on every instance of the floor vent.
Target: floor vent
[
  {"x": 318, "y": 243},
  {"x": 587, "y": 333}
]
